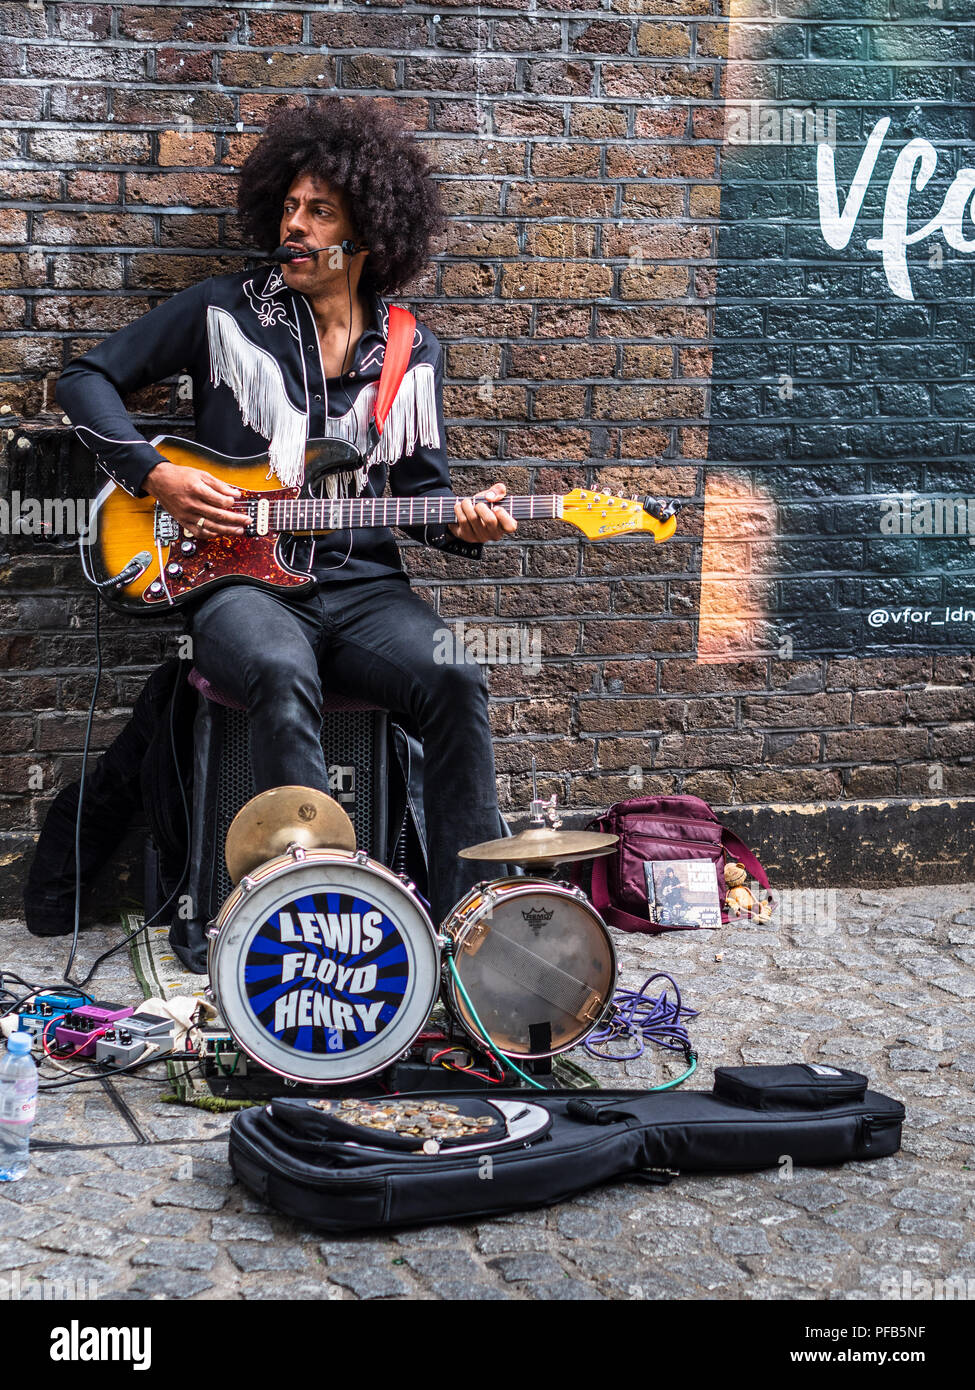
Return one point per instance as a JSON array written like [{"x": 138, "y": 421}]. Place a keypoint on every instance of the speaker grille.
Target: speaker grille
[{"x": 354, "y": 744}]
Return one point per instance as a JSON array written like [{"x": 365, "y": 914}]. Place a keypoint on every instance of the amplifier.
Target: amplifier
[{"x": 354, "y": 742}]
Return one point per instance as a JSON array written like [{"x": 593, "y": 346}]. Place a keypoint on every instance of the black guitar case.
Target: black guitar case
[{"x": 533, "y": 1148}]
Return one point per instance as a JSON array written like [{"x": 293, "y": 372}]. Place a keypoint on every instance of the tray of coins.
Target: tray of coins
[{"x": 410, "y": 1124}]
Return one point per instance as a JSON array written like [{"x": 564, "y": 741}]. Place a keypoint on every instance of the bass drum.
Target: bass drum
[
  {"x": 537, "y": 962},
  {"x": 324, "y": 965}
]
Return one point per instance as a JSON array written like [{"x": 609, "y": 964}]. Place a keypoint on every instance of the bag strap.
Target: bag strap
[
  {"x": 693, "y": 807},
  {"x": 399, "y": 347},
  {"x": 745, "y": 856}
]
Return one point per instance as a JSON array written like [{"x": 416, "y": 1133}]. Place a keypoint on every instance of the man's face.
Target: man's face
[{"x": 315, "y": 215}]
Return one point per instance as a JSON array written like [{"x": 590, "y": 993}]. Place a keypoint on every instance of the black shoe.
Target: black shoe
[
  {"x": 48, "y": 911},
  {"x": 189, "y": 942}
]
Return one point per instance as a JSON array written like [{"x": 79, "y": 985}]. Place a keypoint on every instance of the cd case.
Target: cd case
[{"x": 683, "y": 892}]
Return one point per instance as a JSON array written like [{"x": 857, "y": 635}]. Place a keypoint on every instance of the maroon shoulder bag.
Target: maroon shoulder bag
[{"x": 660, "y": 827}]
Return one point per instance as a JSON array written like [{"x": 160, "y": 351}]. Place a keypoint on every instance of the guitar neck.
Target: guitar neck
[{"x": 311, "y": 514}]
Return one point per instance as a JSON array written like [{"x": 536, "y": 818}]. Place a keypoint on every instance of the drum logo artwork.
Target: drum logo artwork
[{"x": 327, "y": 972}]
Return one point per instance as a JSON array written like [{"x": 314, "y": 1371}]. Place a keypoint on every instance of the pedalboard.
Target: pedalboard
[
  {"x": 131, "y": 1038},
  {"x": 74, "y": 1032}
]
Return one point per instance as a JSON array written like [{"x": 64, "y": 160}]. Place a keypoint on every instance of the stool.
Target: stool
[{"x": 354, "y": 741}]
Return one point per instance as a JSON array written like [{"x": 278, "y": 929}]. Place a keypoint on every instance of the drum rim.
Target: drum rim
[
  {"x": 517, "y": 883},
  {"x": 269, "y": 870}
]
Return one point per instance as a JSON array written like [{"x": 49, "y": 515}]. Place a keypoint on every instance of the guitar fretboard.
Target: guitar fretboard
[{"x": 337, "y": 514}]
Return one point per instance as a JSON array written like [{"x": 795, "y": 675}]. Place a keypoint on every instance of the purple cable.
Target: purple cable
[{"x": 644, "y": 1019}]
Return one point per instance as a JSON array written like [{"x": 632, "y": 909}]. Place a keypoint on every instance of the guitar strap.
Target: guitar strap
[{"x": 399, "y": 346}]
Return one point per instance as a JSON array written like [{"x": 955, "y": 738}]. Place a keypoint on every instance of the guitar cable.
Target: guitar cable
[
  {"x": 320, "y": 483},
  {"x": 79, "y": 985}
]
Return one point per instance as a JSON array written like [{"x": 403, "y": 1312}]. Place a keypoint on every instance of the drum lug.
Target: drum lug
[
  {"x": 407, "y": 882},
  {"x": 473, "y": 943},
  {"x": 212, "y": 930},
  {"x": 209, "y": 995},
  {"x": 246, "y": 884},
  {"x": 297, "y": 851},
  {"x": 591, "y": 1009},
  {"x": 361, "y": 857}
]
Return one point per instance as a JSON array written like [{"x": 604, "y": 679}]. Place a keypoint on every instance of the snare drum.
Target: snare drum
[
  {"x": 324, "y": 965},
  {"x": 537, "y": 962}
]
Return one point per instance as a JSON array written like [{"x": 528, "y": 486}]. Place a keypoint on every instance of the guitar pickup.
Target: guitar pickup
[
  {"x": 661, "y": 508},
  {"x": 260, "y": 518}
]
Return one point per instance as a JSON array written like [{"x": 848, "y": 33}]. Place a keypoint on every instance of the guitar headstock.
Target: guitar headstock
[{"x": 600, "y": 515}]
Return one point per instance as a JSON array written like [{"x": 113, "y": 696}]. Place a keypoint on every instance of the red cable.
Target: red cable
[
  {"x": 469, "y": 1071},
  {"x": 66, "y": 1056}
]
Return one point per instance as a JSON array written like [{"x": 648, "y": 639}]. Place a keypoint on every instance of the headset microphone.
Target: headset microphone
[{"x": 289, "y": 253}]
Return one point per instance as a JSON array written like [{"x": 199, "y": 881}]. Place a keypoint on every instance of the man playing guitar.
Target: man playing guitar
[{"x": 293, "y": 352}]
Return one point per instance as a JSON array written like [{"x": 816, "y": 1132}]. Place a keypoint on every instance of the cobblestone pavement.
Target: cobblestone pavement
[{"x": 888, "y": 989}]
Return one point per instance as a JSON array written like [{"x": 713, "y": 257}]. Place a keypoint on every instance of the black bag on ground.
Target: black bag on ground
[{"x": 533, "y": 1149}]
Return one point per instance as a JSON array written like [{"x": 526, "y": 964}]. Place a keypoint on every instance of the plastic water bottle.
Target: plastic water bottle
[{"x": 18, "y": 1105}]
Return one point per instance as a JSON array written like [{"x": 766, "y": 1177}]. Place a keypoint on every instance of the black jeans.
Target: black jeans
[{"x": 375, "y": 639}]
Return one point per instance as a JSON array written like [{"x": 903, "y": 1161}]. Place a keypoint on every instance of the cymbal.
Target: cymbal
[
  {"x": 266, "y": 825},
  {"x": 543, "y": 845}
]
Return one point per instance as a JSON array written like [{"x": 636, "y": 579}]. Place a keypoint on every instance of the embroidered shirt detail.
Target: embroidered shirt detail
[{"x": 265, "y": 303}]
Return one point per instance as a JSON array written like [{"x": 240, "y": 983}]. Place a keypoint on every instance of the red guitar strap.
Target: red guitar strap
[{"x": 399, "y": 346}]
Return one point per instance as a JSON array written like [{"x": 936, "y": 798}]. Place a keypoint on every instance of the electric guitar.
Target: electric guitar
[{"x": 143, "y": 561}]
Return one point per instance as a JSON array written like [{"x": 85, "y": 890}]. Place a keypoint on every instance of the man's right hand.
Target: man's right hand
[{"x": 192, "y": 495}]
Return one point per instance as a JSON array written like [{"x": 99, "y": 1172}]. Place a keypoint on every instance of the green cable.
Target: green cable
[
  {"x": 484, "y": 1032},
  {"x": 218, "y": 1048},
  {"x": 667, "y": 1086}
]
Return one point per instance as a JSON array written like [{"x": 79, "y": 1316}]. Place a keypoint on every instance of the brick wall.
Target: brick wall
[{"x": 622, "y": 292}]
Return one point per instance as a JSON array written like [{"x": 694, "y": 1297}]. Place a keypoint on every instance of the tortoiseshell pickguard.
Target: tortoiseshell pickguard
[{"x": 222, "y": 559}]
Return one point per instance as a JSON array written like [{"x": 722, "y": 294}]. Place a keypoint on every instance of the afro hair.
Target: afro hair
[{"x": 357, "y": 146}]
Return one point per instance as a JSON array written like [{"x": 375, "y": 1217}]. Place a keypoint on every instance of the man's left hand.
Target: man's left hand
[{"x": 481, "y": 522}]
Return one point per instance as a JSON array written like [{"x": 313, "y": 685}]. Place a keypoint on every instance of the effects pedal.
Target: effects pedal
[
  {"x": 220, "y": 1053},
  {"x": 37, "y": 1012},
  {"x": 132, "y": 1038},
  {"x": 74, "y": 1032}
]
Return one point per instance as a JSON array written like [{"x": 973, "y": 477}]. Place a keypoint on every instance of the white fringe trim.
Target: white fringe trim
[
  {"x": 412, "y": 418},
  {"x": 411, "y": 422},
  {"x": 258, "y": 385}
]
